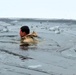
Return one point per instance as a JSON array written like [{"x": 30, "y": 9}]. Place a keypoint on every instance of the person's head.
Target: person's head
[{"x": 24, "y": 30}]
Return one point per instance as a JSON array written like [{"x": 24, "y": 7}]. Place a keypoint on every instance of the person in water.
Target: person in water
[{"x": 27, "y": 38}]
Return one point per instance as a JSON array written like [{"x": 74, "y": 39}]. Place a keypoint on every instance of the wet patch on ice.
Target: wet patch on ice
[{"x": 69, "y": 53}]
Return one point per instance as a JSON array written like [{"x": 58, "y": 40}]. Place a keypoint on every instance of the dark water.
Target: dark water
[{"x": 55, "y": 54}]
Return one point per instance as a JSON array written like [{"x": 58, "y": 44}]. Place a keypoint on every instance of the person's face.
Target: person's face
[{"x": 22, "y": 34}]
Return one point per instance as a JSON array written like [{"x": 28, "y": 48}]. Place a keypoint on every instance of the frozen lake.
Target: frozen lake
[{"x": 55, "y": 54}]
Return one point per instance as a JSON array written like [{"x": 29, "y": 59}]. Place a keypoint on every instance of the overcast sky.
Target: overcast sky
[{"x": 53, "y": 9}]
